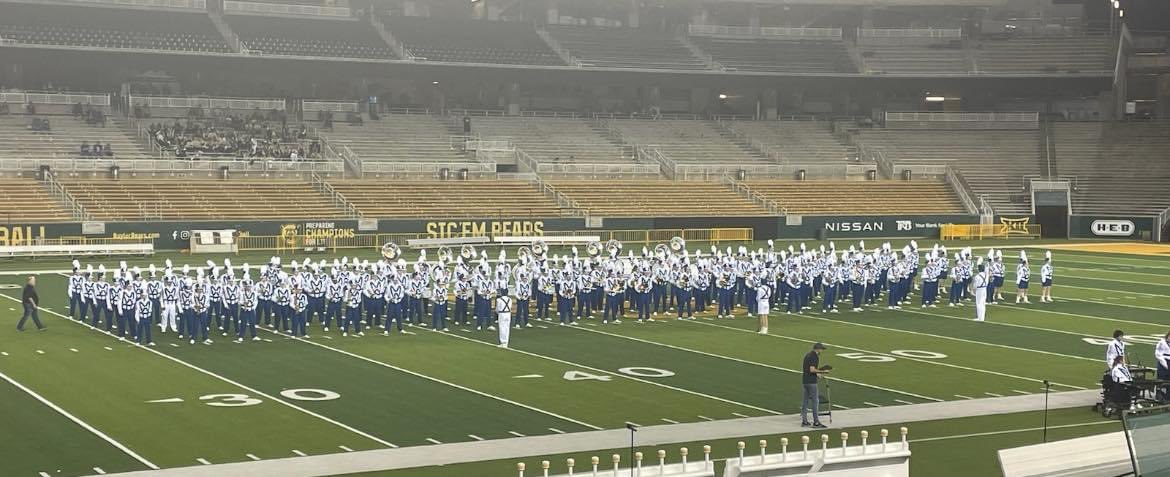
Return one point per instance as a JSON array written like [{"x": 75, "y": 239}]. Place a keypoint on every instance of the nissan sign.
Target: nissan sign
[{"x": 1112, "y": 228}]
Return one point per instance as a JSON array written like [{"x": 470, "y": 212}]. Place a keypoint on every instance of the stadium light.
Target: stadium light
[
  {"x": 935, "y": 99},
  {"x": 1116, "y": 4},
  {"x": 436, "y": 83},
  {"x": 1120, "y": 13},
  {"x": 722, "y": 96}
]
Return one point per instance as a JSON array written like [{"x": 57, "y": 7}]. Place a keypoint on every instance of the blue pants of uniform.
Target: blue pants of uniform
[
  {"x": 316, "y": 307},
  {"x": 84, "y": 310},
  {"x": 858, "y": 293},
  {"x": 460, "y": 311},
  {"x": 725, "y": 302},
  {"x": 929, "y": 291},
  {"x": 97, "y": 308},
  {"x": 954, "y": 293},
  {"x": 612, "y": 307},
  {"x": 483, "y": 313},
  {"x": 215, "y": 313},
  {"x": 795, "y": 300},
  {"x": 332, "y": 312},
  {"x": 439, "y": 315},
  {"x": 248, "y": 323},
  {"x": 298, "y": 322},
  {"x": 829, "y": 301},
  {"x": 565, "y": 307},
  {"x": 197, "y": 324},
  {"x": 542, "y": 302},
  {"x": 144, "y": 332},
  {"x": 643, "y": 306},
  {"x": 656, "y": 297},
  {"x": 737, "y": 293},
  {"x": 121, "y": 324},
  {"x": 394, "y": 314},
  {"x": 75, "y": 303},
  {"x": 263, "y": 310},
  {"x": 585, "y": 304},
  {"x": 684, "y": 301},
  {"x": 283, "y": 317},
  {"x": 352, "y": 318},
  {"x": 892, "y": 296},
  {"x": 521, "y": 318},
  {"x": 231, "y": 317},
  {"x": 374, "y": 312}
]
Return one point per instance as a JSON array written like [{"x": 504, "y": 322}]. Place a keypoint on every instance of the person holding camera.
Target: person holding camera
[{"x": 811, "y": 374}]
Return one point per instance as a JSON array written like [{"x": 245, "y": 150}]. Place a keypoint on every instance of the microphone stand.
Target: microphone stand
[
  {"x": 633, "y": 428},
  {"x": 1047, "y": 386}
]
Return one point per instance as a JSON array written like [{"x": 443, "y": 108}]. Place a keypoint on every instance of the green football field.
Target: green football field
[{"x": 121, "y": 407}]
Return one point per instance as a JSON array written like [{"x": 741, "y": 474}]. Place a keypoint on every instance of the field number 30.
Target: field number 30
[
  {"x": 881, "y": 358},
  {"x": 244, "y": 400}
]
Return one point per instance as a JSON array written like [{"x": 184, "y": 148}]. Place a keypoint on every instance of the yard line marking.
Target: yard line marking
[
  {"x": 203, "y": 461},
  {"x": 344, "y": 448},
  {"x": 993, "y": 394},
  {"x": 1011, "y": 431},
  {"x": 621, "y": 375},
  {"x": 928, "y": 398},
  {"x": 1109, "y": 280},
  {"x": 229, "y": 381},
  {"x": 45, "y": 474},
  {"x": 1062, "y": 285},
  {"x": 632, "y": 423},
  {"x": 528, "y": 376},
  {"x": 40, "y": 352},
  {"x": 1049, "y": 330},
  {"x": 960, "y": 396},
  {"x": 165, "y": 400},
  {"x": 844, "y": 408},
  {"x": 108, "y": 348},
  {"x": 558, "y": 431},
  {"x": 739, "y": 415},
  {"x": 297, "y": 452},
  {"x": 448, "y": 383},
  {"x": 517, "y": 434},
  {"x": 99, "y": 470},
  {"x": 1020, "y": 392},
  {"x": 174, "y": 345},
  {"x": 870, "y": 404},
  {"x": 433, "y": 441},
  {"x": 4, "y": 353},
  {"x": 1104, "y": 318},
  {"x": 11, "y": 309},
  {"x": 705, "y": 418},
  {"x": 902, "y": 401},
  {"x": 590, "y": 324},
  {"x": 327, "y": 337},
  {"x": 73, "y": 350},
  {"x": 250, "y": 456},
  {"x": 671, "y": 421},
  {"x": 266, "y": 340},
  {"x": 542, "y": 327},
  {"x": 465, "y": 330},
  {"x": 473, "y": 436}
]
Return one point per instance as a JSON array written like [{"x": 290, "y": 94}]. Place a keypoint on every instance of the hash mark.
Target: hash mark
[
  {"x": 433, "y": 440},
  {"x": 108, "y": 348},
  {"x": 4, "y": 353},
  {"x": 903, "y": 402},
  {"x": 175, "y": 345},
  {"x": 40, "y": 352},
  {"x": 838, "y": 406},
  {"x": 99, "y": 471},
  {"x": 297, "y": 452},
  {"x": 250, "y": 456},
  {"x": 344, "y": 448},
  {"x": 867, "y": 403},
  {"x": 473, "y": 436},
  {"x": 960, "y": 396},
  {"x": 517, "y": 434},
  {"x": 558, "y": 431},
  {"x": 203, "y": 461},
  {"x": 739, "y": 415},
  {"x": 73, "y": 350},
  {"x": 993, "y": 394},
  {"x": 672, "y": 421},
  {"x": 45, "y": 474},
  {"x": 705, "y": 418},
  {"x": 1020, "y": 392}
]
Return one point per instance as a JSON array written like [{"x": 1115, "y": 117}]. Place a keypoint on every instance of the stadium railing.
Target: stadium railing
[
  {"x": 745, "y": 191},
  {"x": 244, "y": 165},
  {"x": 63, "y": 196},
  {"x": 959, "y": 184},
  {"x": 75, "y": 246},
  {"x": 475, "y": 170},
  {"x": 338, "y": 198},
  {"x": 183, "y": 104},
  {"x": 988, "y": 231},
  {"x": 747, "y": 31},
  {"x": 285, "y": 9},
  {"x": 376, "y": 241},
  {"x": 326, "y": 105},
  {"x": 986, "y": 120},
  {"x": 49, "y": 98},
  {"x": 185, "y": 4}
]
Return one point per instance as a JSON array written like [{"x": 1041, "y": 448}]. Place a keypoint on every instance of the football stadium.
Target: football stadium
[{"x": 616, "y": 238}]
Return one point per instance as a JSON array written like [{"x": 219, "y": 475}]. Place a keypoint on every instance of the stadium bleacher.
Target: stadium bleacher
[
  {"x": 1050, "y": 55},
  {"x": 861, "y": 197},
  {"x": 625, "y": 48},
  {"x": 558, "y": 140},
  {"x": 325, "y": 37},
  {"x": 687, "y": 141},
  {"x": 904, "y": 56},
  {"x": 64, "y": 139},
  {"x": 471, "y": 41},
  {"x": 27, "y": 200},
  {"x": 401, "y": 138},
  {"x": 447, "y": 199},
  {"x": 103, "y": 27},
  {"x": 1090, "y": 152},
  {"x": 796, "y": 141},
  {"x": 787, "y": 56},
  {"x": 187, "y": 199},
  {"x": 641, "y": 198},
  {"x": 994, "y": 163}
]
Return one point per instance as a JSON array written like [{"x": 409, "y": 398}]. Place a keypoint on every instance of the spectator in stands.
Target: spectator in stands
[
  {"x": 30, "y": 108},
  {"x": 4, "y": 108},
  {"x": 77, "y": 110},
  {"x": 40, "y": 125},
  {"x": 109, "y": 151},
  {"x": 85, "y": 150}
]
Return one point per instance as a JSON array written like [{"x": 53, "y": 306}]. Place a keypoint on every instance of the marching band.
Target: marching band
[{"x": 389, "y": 293}]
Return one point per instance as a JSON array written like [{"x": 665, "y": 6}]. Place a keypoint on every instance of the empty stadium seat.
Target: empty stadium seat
[
  {"x": 861, "y": 197},
  {"x": 559, "y": 140},
  {"x": 904, "y": 56},
  {"x": 184, "y": 199},
  {"x": 447, "y": 199},
  {"x": 27, "y": 200},
  {"x": 64, "y": 140},
  {"x": 1114, "y": 164},
  {"x": 1055, "y": 55},
  {"x": 472, "y": 41},
  {"x": 796, "y": 141},
  {"x": 641, "y": 198},
  {"x": 401, "y": 138},
  {"x": 103, "y": 27},
  {"x": 327, "y": 37},
  {"x": 789, "y": 56},
  {"x": 625, "y": 48},
  {"x": 687, "y": 141},
  {"x": 994, "y": 163}
]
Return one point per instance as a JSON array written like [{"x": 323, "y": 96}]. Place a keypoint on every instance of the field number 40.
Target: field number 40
[
  {"x": 881, "y": 358},
  {"x": 635, "y": 371}
]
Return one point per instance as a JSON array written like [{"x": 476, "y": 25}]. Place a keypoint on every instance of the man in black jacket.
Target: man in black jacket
[{"x": 30, "y": 300}]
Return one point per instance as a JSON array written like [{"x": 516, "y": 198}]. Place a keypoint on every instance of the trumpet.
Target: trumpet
[
  {"x": 593, "y": 249},
  {"x": 614, "y": 247},
  {"x": 390, "y": 251},
  {"x": 467, "y": 252},
  {"x": 677, "y": 244}
]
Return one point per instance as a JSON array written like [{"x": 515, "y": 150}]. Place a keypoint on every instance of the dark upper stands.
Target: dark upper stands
[
  {"x": 471, "y": 41},
  {"x": 337, "y": 38},
  {"x": 1120, "y": 168},
  {"x": 789, "y": 56},
  {"x": 625, "y": 48},
  {"x": 110, "y": 28},
  {"x": 1054, "y": 55}
]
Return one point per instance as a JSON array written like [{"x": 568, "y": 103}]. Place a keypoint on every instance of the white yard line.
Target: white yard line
[
  {"x": 705, "y": 418},
  {"x": 555, "y": 430},
  {"x": 517, "y": 434},
  {"x": 203, "y": 461},
  {"x": 79, "y": 422},
  {"x": 99, "y": 471},
  {"x": 1082, "y": 277},
  {"x": 475, "y": 437},
  {"x": 250, "y": 456},
  {"x": 903, "y": 401},
  {"x": 433, "y": 441},
  {"x": 993, "y": 394},
  {"x": 344, "y": 448},
  {"x": 234, "y": 383},
  {"x": 625, "y": 376},
  {"x": 736, "y": 414},
  {"x": 843, "y": 408},
  {"x": 870, "y": 404},
  {"x": 960, "y": 396},
  {"x": 297, "y": 452},
  {"x": 448, "y": 383},
  {"x": 669, "y": 421},
  {"x": 755, "y": 363}
]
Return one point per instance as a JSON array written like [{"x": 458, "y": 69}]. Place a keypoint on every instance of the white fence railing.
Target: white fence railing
[
  {"x": 171, "y": 165},
  {"x": 599, "y": 169},
  {"x": 432, "y": 169},
  {"x": 722, "y": 30},
  {"x": 963, "y": 117},
  {"x": 11, "y": 97},
  {"x": 335, "y": 106},
  {"x": 285, "y": 9},
  {"x": 708, "y": 172},
  {"x": 263, "y": 104},
  {"x": 186, "y": 4},
  {"x": 949, "y": 33}
]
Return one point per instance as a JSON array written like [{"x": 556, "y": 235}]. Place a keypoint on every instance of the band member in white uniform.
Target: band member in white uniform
[
  {"x": 1023, "y": 273},
  {"x": 1046, "y": 279},
  {"x": 1115, "y": 348},
  {"x": 763, "y": 299},
  {"x": 504, "y": 316},
  {"x": 979, "y": 283},
  {"x": 1162, "y": 357}
]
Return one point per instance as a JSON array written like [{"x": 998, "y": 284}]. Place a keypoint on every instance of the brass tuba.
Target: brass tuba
[
  {"x": 661, "y": 251},
  {"x": 539, "y": 248},
  {"x": 677, "y": 244},
  {"x": 524, "y": 254},
  {"x": 593, "y": 249},
  {"x": 614, "y": 247},
  {"x": 467, "y": 252},
  {"x": 444, "y": 255},
  {"x": 390, "y": 251}
]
